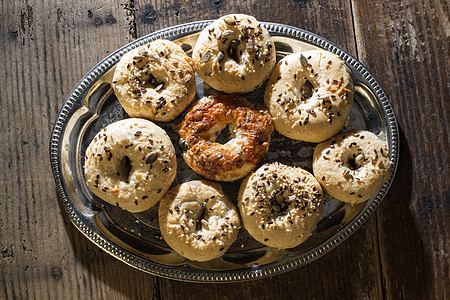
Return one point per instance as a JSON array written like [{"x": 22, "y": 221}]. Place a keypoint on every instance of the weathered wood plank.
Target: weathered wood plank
[
  {"x": 327, "y": 277},
  {"x": 46, "y": 48},
  {"x": 405, "y": 44}
]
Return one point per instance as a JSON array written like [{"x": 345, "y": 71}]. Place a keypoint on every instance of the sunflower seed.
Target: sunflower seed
[
  {"x": 250, "y": 46},
  {"x": 159, "y": 87}
]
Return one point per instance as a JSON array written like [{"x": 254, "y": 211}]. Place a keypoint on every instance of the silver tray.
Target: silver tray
[{"x": 135, "y": 239}]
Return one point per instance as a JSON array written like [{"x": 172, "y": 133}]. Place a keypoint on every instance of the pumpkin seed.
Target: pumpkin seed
[
  {"x": 151, "y": 158},
  {"x": 229, "y": 20},
  {"x": 220, "y": 57},
  {"x": 206, "y": 56},
  {"x": 234, "y": 44},
  {"x": 276, "y": 208},
  {"x": 303, "y": 60}
]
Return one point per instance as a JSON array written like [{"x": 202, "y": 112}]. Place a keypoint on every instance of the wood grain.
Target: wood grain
[
  {"x": 410, "y": 60},
  {"x": 46, "y": 49}
]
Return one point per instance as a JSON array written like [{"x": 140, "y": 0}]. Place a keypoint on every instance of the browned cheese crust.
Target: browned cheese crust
[{"x": 250, "y": 129}]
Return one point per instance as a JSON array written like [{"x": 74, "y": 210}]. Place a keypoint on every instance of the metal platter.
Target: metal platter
[{"x": 134, "y": 238}]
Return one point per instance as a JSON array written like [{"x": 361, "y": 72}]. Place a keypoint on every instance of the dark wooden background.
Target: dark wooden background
[{"x": 400, "y": 253}]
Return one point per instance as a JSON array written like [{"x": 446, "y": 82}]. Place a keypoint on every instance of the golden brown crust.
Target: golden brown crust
[{"x": 252, "y": 129}]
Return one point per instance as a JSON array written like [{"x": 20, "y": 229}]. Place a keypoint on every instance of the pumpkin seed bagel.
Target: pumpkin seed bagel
[
  {"x": 198, "y": 220},
  {"x": 234, "y": 54},
  {"x": 131, "y": 164},
  {"x": 310, "y": 95}
]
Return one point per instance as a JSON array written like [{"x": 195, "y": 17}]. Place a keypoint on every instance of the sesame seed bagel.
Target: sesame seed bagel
[
  {"x": 130, "y": 163},
  {"x": 198, "y": 220},
  {"x": 280, "y": 205},
  {"x": 155, "y": 81},
  {"x": 234, "y": 54},
  {"x": 351, "y": 166},
  {"x": 249, "y": 129},
  {"x": 310, "y": 95}
]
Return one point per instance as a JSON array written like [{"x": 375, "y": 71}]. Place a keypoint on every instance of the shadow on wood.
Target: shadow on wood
[
  {"x": 123, "y": 280},
  {"x": 406, "y": 274}
]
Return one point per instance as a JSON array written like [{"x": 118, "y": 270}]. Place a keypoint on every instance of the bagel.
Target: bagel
[
  {"x": 249, "y": 129},
  {"x": 351, "y": 166},
  {"x": 131, "y": 164},
  {"x": 310, "y": 95},
  {"x": 198, "y": 221},
  {"x": 155, "y": 81},
  {"x": 234, "y": 54},
  {"x": 280, "y": 205}
]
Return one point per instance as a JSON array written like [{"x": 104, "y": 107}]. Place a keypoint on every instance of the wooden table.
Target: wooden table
[{"x": 400, "y": 253}]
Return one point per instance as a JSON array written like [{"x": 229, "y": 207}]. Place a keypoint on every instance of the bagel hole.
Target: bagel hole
[
  {"x": 152, "y": 83},
  {"x": 224, "y": 135},
  {"x": 355, "y": 161},
  {"x": 279, "y": 205},
  {"x": 351, "y": 164},
  {"x": 233, "y": 52},
  {"x": 306, "y": 91},
  {"x": 202, "y": 215},
  {"x": 125, "y": 168}
]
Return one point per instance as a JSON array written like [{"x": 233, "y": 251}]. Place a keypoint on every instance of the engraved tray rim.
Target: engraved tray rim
[{"x": 188, "y": 273}]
